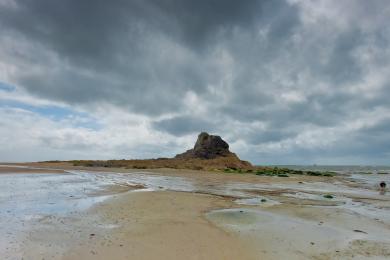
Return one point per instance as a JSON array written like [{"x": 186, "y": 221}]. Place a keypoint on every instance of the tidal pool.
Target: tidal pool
[{"x": 283, "y": 236}]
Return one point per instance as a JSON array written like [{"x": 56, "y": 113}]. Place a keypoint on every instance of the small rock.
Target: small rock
[{"x": 360, "y": 231}]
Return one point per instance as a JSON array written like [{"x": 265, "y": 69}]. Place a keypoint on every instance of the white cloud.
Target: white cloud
[{"x": 306, "y": 79}]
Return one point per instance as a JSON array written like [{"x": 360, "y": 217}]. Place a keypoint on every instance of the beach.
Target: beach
[{"x": 58, "y": 211}]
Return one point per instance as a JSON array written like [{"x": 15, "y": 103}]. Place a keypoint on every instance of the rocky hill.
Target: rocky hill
[
  {"x": 210, "y": 152},
  {"x": 207, "y": 147}
]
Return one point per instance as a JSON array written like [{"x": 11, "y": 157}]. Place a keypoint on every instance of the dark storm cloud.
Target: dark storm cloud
[
  {"x": 274, "y": 67},
  {"x": 185, "y": 125},
  {"x": 126, "y": 52},
  {"x": 121, "y": 51}
]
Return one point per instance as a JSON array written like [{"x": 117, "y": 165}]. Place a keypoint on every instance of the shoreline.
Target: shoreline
[
  {"x": 8, "y": 168},
  {"x": 175, "y": 214}
]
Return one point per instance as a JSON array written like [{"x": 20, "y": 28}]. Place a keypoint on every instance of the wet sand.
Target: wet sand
[
  {"x": 174, "y": 214},
  {"x": 26, "y": 169}
]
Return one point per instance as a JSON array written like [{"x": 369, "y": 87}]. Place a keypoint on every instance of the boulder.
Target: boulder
[{"x": 207, "y": 147}]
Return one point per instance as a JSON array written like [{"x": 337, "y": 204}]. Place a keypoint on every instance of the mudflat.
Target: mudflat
[
  {"x": 93, "y": 213},
  {"x": 26, "y": 169}
]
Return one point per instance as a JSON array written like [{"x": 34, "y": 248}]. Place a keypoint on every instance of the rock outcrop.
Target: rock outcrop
[
  {"x": 213, "y": 148},
  {"x": 207, "y": 147}
]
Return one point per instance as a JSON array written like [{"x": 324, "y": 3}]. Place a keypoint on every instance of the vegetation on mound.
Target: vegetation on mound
[
  {"x": 224, "y": 164},
  {"x": 218, "y": 164},
  {"x": 210, "y": 153}
]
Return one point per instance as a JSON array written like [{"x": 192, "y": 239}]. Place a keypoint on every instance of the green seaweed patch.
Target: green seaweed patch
[
  {"x": 275, "y": 171},
  {"x": 285, "y": 172},
  {"x": 311, "y": 173},
  {"x": 297, "y": 172},
  {"x": 328, "y": 174},
  {"x": 230, "y": 170},
  {"x": 324, "y": 174}
]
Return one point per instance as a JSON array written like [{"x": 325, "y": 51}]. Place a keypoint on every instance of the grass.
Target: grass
[
  {"x": 198, "y": 164},
  {"x": 234, "y": 170},
  {"x": 233, "y": 163}
]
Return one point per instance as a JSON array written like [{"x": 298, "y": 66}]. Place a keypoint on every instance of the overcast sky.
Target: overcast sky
[{"x": 284, "y": 82}]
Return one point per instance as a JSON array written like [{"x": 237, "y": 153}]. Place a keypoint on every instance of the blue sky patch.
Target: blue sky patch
[
  {"x": 6, "y": 87},
  {"x": 56, "y": 113}
]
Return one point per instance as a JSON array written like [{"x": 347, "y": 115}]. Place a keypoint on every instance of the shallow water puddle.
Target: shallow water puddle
[
  {"x": 283, "y": 236},
  {"x": 31, "y": 200},
  {"x": 46, "y": 193}
]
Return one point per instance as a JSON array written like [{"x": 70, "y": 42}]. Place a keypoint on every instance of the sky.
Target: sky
[{"x": 282, "y": 81}]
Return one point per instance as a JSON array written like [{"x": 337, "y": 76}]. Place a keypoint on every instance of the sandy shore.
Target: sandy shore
[
  {"x": 173, "y": 214},
  {"x": 26, "y": 169},
  {"x": 142, "y": 225}
]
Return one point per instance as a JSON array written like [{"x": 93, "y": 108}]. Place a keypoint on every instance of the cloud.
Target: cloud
[
  {"x": 28, "y": 135},
  {"x": 183, "y": 125},
  {"x": 284, "y": 81}
]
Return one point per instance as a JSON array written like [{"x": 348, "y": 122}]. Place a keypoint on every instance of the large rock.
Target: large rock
[{"x": 207, "y": 147}]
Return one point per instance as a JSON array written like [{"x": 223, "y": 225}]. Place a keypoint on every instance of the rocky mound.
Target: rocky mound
[
  {"x": 210, "y": 147},
  {"x": 209, "y": 153},
  {"x": 207, "y": 147}
]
